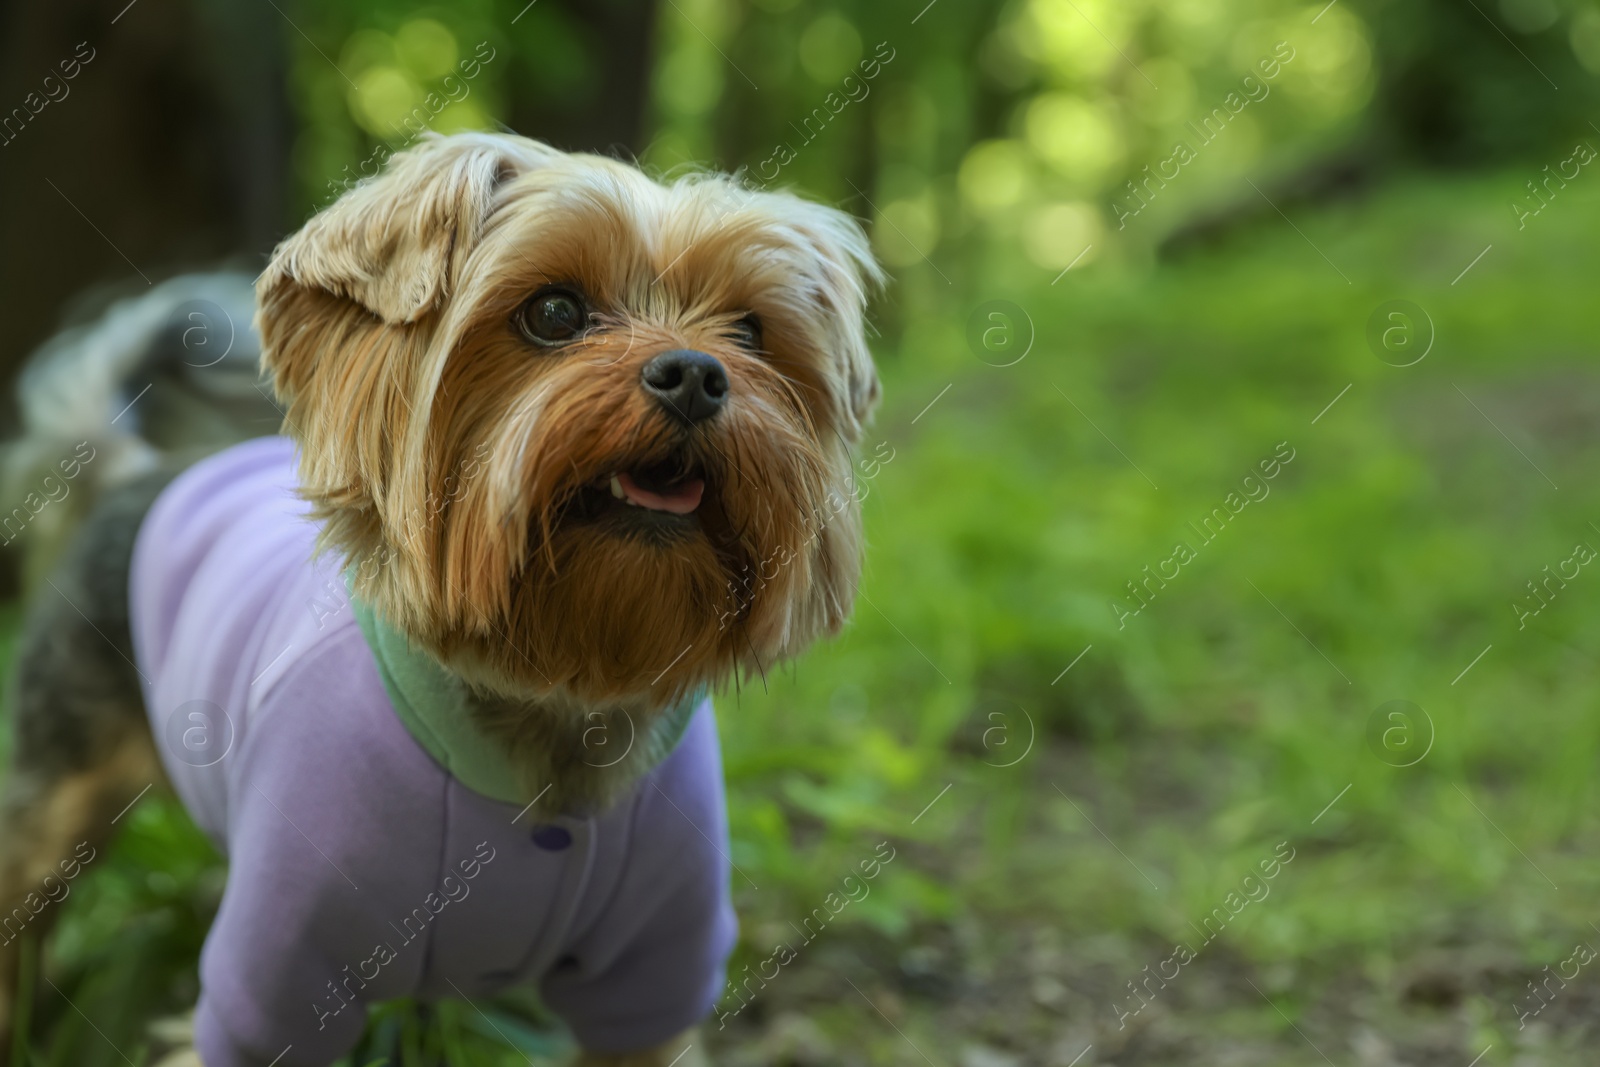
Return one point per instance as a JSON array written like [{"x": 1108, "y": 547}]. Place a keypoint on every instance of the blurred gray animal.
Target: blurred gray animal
[{"x": 174, "y": 373}]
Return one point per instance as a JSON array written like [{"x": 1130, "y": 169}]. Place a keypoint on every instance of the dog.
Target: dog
[{"x": 564, "y": 449}]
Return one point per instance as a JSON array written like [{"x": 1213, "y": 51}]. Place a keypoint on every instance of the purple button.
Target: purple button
[{"x": 551, "y": 838}]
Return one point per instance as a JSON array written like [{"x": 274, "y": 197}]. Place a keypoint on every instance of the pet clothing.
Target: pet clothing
[{"x": 360, "y": 867}]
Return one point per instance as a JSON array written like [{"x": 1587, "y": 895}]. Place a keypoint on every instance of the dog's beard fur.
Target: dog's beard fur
[{"x": 462, "y": 469}]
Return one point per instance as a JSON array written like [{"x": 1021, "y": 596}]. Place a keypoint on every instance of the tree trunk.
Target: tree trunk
[{"x": 167, "y": 150}]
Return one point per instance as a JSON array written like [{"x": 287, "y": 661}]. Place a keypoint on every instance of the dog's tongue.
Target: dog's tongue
[{"x": 680, "y": 499}]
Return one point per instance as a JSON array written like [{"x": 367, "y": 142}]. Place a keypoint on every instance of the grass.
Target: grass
[{"x": 1032, "y": 885}]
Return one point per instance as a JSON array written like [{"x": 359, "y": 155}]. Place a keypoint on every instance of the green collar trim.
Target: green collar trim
[{"x": 434, "y": 706}]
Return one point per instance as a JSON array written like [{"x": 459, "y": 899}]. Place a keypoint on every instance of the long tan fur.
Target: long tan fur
[{"x": 386, "y": 325}]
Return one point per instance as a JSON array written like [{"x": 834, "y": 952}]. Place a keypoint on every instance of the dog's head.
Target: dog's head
[{"x": 578, "y": 431}]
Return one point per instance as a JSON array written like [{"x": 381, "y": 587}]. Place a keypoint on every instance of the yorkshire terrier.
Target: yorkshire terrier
[{"x": 432, "y": 668}]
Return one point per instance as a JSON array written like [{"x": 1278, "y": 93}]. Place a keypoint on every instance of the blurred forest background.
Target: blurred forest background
[{"x": 1144, "y": 253}]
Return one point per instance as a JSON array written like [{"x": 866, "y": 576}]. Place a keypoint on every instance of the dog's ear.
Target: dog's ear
[
  {"x": 394, "y": 243},
  {"x": 849, "y": 275},
  {"x": 347, "y": 304}
]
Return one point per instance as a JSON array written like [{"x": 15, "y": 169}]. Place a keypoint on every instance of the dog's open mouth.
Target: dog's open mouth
[
  {"x": 648, "y": 488},
  {"x": 667, "y": 494}
]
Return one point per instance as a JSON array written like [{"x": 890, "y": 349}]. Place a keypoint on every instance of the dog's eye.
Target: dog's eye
[
  {"x": 552, "y": 317},
  {"x": 746, "y": 333}
]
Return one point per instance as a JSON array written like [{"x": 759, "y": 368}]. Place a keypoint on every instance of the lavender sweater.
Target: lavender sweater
[{"x": 359, "y": 868}]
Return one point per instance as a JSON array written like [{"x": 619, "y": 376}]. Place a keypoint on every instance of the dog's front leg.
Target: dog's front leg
[{"x": 681, "y": 1051}]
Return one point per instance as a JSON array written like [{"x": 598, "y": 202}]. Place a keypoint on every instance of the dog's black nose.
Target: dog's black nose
[{"x": 690, "y": 384}]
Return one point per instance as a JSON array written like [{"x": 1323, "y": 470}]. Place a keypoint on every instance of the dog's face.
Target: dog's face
[{"x": 579, "y": 432}]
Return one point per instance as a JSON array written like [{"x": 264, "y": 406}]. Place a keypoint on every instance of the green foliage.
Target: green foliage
[{"x": 1055, "y": 132}]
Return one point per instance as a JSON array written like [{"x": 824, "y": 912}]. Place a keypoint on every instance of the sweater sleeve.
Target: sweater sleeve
[
  {"x": 652, "y": 964},
  {"x": 306, "y": 933}
]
